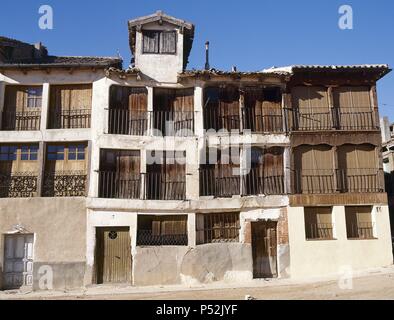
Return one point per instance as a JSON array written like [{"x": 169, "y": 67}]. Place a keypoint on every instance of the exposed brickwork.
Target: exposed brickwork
[
  {"x": 283, "y": 228},
  {"x": 248, "y": 232}
]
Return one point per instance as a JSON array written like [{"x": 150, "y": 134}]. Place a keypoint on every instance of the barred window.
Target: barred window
[
  {"x": 162, "y": 230},
  {"x": 359, "y": 224},
  {"x": 217, "y": 227},
  {"x": 159, "y": 42},
  {"x": 318, "y": 223}
]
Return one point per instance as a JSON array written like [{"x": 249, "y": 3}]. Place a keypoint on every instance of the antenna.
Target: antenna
[{"x": 207, "y": 55}]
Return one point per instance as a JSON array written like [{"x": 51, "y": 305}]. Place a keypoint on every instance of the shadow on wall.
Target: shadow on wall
[{"x": 190, "y": 266}]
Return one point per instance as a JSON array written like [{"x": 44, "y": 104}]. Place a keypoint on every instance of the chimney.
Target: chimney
[
  {"x": 40, "y": 51},
  {"x": 207, "y": 55}
]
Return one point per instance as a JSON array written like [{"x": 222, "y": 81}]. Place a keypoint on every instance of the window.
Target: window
[
  {"x": 163, "y": 42},
  {"x": 55, "y": 152},
  {"x": 76, "y": 152},
  {"x": 34, "y": 96},
  {"x": 359, "y": 223},
  {"x": 217, "y": 227},
  {"x": 8, "y": 153},
  {"x": 162, "y": 230},
  {"x": 318, "y": 223},
  {"x": 29, "y": 153}
]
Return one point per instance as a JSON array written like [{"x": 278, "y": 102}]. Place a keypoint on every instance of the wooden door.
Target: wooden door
[
  {"x": 18, "y": 261},
  {"x": 264, "y": 249},
  {"x": 113, "y": 255}
]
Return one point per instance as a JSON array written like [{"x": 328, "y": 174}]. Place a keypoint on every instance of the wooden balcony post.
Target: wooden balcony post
[
  {"x": 41, "y": 167},
  {"x": 150, "y": 111},
  {"x": 44, "y": 106},
  {"x": 2, "y": 94},
  {"x": 336, "y": 168}
]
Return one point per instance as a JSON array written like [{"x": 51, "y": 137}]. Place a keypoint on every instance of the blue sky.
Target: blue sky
[{"x": 250, "y": 34}]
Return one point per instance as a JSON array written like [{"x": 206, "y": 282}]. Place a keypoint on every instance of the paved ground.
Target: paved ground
[{"x": 374, "y": 284}]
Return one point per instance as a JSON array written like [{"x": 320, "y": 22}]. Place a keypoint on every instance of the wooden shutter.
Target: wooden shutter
[
  {"x": 150, "y": 42},
  {"x": 200, "y": 237},
  {"x": 70, "y": 97},
  {"x": 358, "y": 166},
  {"x": 15, "y": 99},
  {"x": 354, "y": 106},
  {"x": 311, "y": 107},
  {"x": 273, "y": 171},
  {"x": 314, "y": 169},
  {"x": 229, "y": 108},
  {"x": 168, "y": 42}
]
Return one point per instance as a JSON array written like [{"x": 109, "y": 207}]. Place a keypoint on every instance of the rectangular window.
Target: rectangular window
[
  {"x": 55, "y": 153},
  {"x": 29, "y": 153},
  {"x": 76, "y": 152},
  {"x": 162, "y": 230},
  {"x": 8, "y": 153},
  {"x": 359, "y": 224},
  {"x": 217, "y": 227},
  {"x": 159, "y": 42},
  {"x": 318, "y": 223},
  {"x": 34, "y": 97}
]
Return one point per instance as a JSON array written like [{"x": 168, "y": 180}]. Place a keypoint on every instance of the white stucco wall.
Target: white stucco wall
[
  {"x": 333, "y": 257},
  {"x": 162, "y": 68}
]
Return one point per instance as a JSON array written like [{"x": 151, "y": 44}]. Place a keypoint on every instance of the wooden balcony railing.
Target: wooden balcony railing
[
  {"x": 139, "y": 123},
  {"x": 173, "y": 123},
  {"x": 21, "y": 121},
  {"x": 161, "y": 186},
  {"x": 321, "y": 119},
  {"x": 126, "y": 122},
  {"x": 341, "y": 180},
  {"x": 349, "y": 119},
  {"x": 64, "y": 184},
  {"x": 256, "y": 182},
  {"x": 212, "y": 183},
  {"x": 360, "y": 180},
  {"x": 213, "y": 119},
  {"x": 116, "y": 186},
  {"x": 262, "y": 123},
  {"x": 18, "y": 185},
  {"x": 70, "y": 119}
]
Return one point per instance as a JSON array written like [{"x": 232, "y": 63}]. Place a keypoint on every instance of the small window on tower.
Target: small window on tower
[{"x": 159, "y": 42}]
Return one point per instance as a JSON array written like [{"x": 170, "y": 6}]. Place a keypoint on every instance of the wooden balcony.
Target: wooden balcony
[
  {"x": 338, "y": 181},
  {"x": 140, "y": 123},
  {"x": 118, "y": 186},
  {"x": 161, "y": 186},
  {"x": 70, "y": 119},
  {"x": 345, "y": 119}
]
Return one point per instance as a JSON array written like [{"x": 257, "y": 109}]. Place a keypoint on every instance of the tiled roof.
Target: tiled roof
[
  {"x": 214, "y": 72},
  {"x": 55, "y": 61},
  {"x": 362, "y": 67}
]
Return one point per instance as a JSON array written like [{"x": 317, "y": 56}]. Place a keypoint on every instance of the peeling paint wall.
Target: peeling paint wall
[{"x": 59, "y": 228}]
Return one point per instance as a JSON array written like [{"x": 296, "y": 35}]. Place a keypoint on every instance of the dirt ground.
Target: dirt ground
[{"x": 376, "y": 285}]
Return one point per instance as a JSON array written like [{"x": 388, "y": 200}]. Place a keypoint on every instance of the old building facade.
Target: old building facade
[{"x": 161, "y": 175}]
